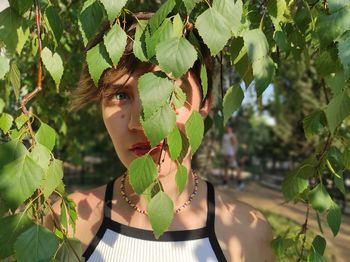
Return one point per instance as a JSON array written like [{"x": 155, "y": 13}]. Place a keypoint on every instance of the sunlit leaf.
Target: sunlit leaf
[
  {"x": 150, "y": 84},
  {"x": 54, "y": 64},
  {"x": 256, "y": 43},
  {"x": 319, "y": 198},
  {"x": 4, "y": 66},
  {"x": 160, "y": 124},
  {"x": 5, "y": 122},
  {"x": 142, "y": 172},
  {"x": 181, "y": 177},
  {"x": 115, "y": 42},
  {"x": 231, "y": 11},
  {"x": 21, "y": 120},
  {"x": 18, "y": 180},
  {"x": 36, "y": 244},
  {"x": 98, "y": 61},
  {"x": 160, "y": 213},
  {"x": 214, "y": 30},
  {"x": 174, "y": 143},
  {"x": 139, "y": 47},
  {"x": 161, "y": 14},
  {"x": 263, "y": 71},
  {"x": 113, "y": 8},
  {"x": 46, "y": 136},
  {"x": 204, "y": 80},
  {"x": 176, "y": 56},
  {"x": 190, "y": 4},
  {"x": 179, "y": 97},
  {"x": 41, "y": 155},
  {"x": 52, "y": 177},
  {"x": 194, "y": 130},
  {"x": 15, "y": 79},
  {"x": 293, "y": 185}
]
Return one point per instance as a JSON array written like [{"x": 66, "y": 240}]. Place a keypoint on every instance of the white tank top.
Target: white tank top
[{"x": 122, "y": 243}]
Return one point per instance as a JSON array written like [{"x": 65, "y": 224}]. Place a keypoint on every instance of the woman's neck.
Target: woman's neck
[{"x": 166, "y": 175}]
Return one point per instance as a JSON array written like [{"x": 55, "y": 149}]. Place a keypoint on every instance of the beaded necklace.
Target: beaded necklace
[{"x": 141, "y": 211}]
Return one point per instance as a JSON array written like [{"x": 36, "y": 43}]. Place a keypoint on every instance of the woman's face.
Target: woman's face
[{"x": 121, "y": 115}]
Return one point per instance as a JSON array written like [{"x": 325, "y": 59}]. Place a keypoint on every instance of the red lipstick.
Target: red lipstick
[{"x": 143, "y": 148}]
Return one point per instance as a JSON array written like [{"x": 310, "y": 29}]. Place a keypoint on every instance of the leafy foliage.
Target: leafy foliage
[{"x": 254, "y": 37}]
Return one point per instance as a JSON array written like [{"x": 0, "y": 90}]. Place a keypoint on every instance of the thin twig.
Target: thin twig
[{"x": 303, "y": 231}]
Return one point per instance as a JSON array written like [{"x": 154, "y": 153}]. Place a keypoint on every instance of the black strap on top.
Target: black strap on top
[
  {"x": 108, "y": 199},
  {"x": 210, "y": 205}
]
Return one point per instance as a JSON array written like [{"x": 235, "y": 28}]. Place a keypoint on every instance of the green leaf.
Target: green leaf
[
  {"x": 179, "y": 97},
  {"x": 70, "y": 208},
  {"x": 319, "y": 244},
  {"x": 152, "y": 190},
  {"x": 14, "y": 31},
  {"x": 54, "y": 22},
  {"x": 337, "y": 110},
  {"x": 232, "y": 100},
  {"x": 53, "y": 177},
  {"x": 231, "y": 11},
  {"x": 334, "y": 218},
  {"x": 63, "y": 215},
  {"x": 336, "y": 82},
  {"x": 2, "y": 105},
  {"x": 150, "y": 84},
  {"x": 160, "y": 124},
  {"x": 115, "y": 42},
  {"x": 204, "y": 80},
  {"x": 181, "y": 178},
  {"x": 10, "y": 228},
  {"x": 339, "y": 182},
  {"x": 65, "y": 252},
  {"x": 335, "y": 5},
  {"x": 160, "y": 213},
  {"x": 176, "y": 56},
  {"x": 90, "y": 19},
  {"x": 139, "y": 43},
  {"x": 214, "y": 30},
  {"x": 263, "y": 71},
  {"x": 175, "y": 144},
  {"x": 315, "y": 257},
  {"x": 36, "y": 244},
  {"x": 330, "y": 27},
  {"x": 319, "y": 198},
  {"x": 195, "y": 130},
  {"x": 178, "y": 25},
  {"x": 15, "y": 79},
  {"x": 18, "y": 180},
  {"x": 346, "y": 158},
  {"x": 4, "y": 66},
  {"x": 256, "y": 43},
  {"x": 282, "y": 41},
  {"x": 98, "y": 61},
  {"x": 21, "y": 6},
  {"x": 5, "y": 122},
  {"x": 190, "y": 4},
  {"x": 161, "y": 14},
  {"x": 53, "y": 63},
  {"x": 46, "y": 136},
  {"x": 41, "y": 155},
  {"x": 113, "y": 8},
  {"x": 142, "y": 172},
  {"x": 11, "y": 151},
  {"x": 21, "y": 120},
  {"x": 293, "y": 185},
  {"x": 276, "y": 9},
  {"x": 344, "y": 52},
  {"x": 314, "y": 123},
  {"x": 163, "y": 33}
]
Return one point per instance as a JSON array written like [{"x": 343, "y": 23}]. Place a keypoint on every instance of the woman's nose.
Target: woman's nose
[{"x": 135, "y": 114}]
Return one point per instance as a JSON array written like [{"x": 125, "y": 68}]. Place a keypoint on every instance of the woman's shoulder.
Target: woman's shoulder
[{"x": 241, "y": 227}]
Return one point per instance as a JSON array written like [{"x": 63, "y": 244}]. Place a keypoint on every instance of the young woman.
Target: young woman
[{"x": 112, "y": 225}]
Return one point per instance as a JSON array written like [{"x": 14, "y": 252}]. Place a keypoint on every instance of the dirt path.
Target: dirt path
[{"x": 265, "y": 198}]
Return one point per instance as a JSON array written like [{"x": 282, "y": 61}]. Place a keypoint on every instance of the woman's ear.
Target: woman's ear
[{"x": 206, "y": 106}]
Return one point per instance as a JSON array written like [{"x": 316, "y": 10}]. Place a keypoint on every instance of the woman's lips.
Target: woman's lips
[{"x": 141, "y": 149}]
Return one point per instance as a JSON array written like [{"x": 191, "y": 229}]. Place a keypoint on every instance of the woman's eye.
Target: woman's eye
[{"x": 120, "y": 96}]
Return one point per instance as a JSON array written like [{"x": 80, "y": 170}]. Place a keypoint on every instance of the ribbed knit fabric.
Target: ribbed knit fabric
[{"x": 122, "y": 243}]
